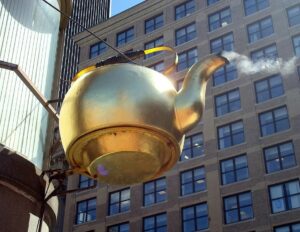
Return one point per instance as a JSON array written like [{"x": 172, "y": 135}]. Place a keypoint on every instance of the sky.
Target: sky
[{"x": 120, "y": 5}]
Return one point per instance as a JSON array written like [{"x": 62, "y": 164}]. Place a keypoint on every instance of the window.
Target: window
[
  {"x": 238, "y": 207},
  {"x": 192, "y": 181},
  {"x": 285, "y": 196},
  {"x": 159, "y": 67},
  {"x": 279, "y": 157},
  {"x": 296, "y": 43},
  {"x": 294, "y": 15},
  {"x": 154, "y": 23},
  {"x": 252, "y": 6},
  {"x": 155, "y": 223},
  {"x": 186, "y": 59},
  {"x": 155, "y": 191},
  {"x": 184, "y": 9},
  {"x": 86, "y": 211},
  {"x": 185, "y": 34},
  {"x": 268, "y": 88},
  {"x": 269, "y": 52},
  {"x": 293, "y": 227},
  {"x": 152, "y": 44},
  {"x": 85, "y": 181},
  {"x": 234, "y": 169},
  {"x": 97, "y": 49},
  {"x": 210, "y": 2},
  {"x": 260, "y": 29},
  {"x": 119, "y": 201},
  {"x": 219, "y": 19},
  {"x": 274, "y": 121},
  {"x": 124, "y": 227},
  {"x": 225, "y": 74},
  {"x": 223, "y": 43},
  {"x": 227, "y": 102},
  {"x": 193, "y": 147},
  {"x": 231, "y": 134},
  {"x": 195, "y": 218},
  {"x": 125, "y": 36}
]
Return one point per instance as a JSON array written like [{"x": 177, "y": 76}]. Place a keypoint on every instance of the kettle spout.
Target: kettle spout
[{"x": 189, "y": 102}]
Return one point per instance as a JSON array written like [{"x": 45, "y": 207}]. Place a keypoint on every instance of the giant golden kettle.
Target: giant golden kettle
[{"x": 125, "y": 124}]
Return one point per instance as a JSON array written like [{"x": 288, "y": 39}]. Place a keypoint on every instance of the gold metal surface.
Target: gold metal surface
[{"x": 125, "y": 124}]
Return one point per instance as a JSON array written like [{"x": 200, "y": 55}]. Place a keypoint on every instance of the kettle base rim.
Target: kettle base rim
[{"x": 99, "y": 154}]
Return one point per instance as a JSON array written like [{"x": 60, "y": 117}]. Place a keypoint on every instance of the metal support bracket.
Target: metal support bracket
[{"x": 24, "y": 78}]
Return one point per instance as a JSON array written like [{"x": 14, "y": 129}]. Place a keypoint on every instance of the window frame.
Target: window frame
[
  {"x": 126, "y": 37},
  {"x": 288, "y": 16},
  {"x": 268, "y": 89},
  {"x": 289, "y": 225},
  {"x": 220, "y": 20},
  {"x": 186, "y": 34},
  {"x": 211, "y": 2},
  {"x": 238, "y": 207},
  {"x": 192, "y": 146},
  {"x": 100, "y": 50},
  {"x": 225, "y": 71},
  {"x": 228, "y": 102},
  {"x": 110, "y": 213},
  {"x": 196, "y": 216},
  {"x": 90, "y": 182},
  {"x": 188, "y": 61},
  {"x": 118, "y": 226},
  {"x": 256, "y": 4},
  {"x": 285, "y": 196},
  {"x": 273, "y": 120},
  {"x": 222, "y": 38},
  {"x": 296, "y": 47},
  {"x": 265, "y": 54},
  {"x": 159, "y": 41},
  {"x": 186, "y": 11},
  {"x": 234, "y": 170},
  {"x": 154, "y": 229},
  {"x": 87, "y": 210},
  {"x": 155, "y": 191},
  {"x": 194, "y": 180},
  {"x": 230, "y": 124},
  {"x": 279, "y": 156},
  {"x": 259, "y": 32},
  {"x": 155, "y": 25}
]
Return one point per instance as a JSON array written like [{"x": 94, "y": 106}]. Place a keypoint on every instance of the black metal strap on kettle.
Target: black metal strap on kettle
[{"x": 132, "y": 55}]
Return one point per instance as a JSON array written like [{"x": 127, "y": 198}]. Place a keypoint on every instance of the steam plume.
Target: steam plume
[{"x": 247, "y": 66}]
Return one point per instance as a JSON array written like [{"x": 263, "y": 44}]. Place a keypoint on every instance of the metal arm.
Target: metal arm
[{"x": 22, "y": 75}]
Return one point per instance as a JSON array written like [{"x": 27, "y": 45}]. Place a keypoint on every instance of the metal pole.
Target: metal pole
[{"x": 22, "y": 75}]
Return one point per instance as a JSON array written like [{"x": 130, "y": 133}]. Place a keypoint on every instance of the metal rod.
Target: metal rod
[
  {"x": 24, "y": 78},
  {"x": 89, "y": 31}
]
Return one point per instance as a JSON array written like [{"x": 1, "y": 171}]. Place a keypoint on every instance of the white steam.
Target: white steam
[{"x": 245, "y": 65}]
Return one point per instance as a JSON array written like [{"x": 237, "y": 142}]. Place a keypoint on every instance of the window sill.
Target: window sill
[
  {"x": 282, "y": 170},
  {"x": 276, "y": 133},
  {"x": 153, "y": 205},
  {"x": 239, "y": 222},
  {"x": 117, "y": 214},
  {"x": 235, "y": 183},
  {"x": 289, "y": 211},
  {"x": 193, "y": 194},
  {"x": 231, "y": 147}
]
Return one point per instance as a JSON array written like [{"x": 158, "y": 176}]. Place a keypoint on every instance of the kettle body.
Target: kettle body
[{"x": 125, "y": 124}]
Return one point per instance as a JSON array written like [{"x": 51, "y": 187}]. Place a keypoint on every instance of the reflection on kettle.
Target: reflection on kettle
[{"x": 124, "y": 124}]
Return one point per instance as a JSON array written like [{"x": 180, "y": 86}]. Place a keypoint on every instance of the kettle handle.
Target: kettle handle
[{"x": 164, "y": 48}]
